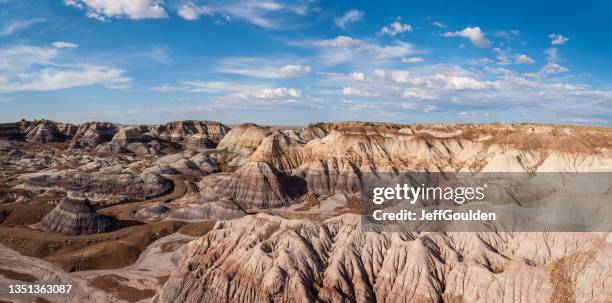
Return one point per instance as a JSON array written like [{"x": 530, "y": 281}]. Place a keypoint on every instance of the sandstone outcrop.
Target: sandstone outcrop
[
  {"x": 281, "y": 151},
  {"x": 263, "y": 258},
  {"x": 200, "y": 141},
  {"x": 91, "y": 134},
  {"x": 44, "y": 131},
  {"x": 179, "y": 164},
  {"x": 153, "y": 212},
  {"x": 7, "y": 148},
  {"x": 75, "y": 217},
  {"x": 205, "y": 163},
  {"x": 192, "y": 134},
  {"x": 130, "y": 134},
  {"x": 242, "y": 141},
  {"x": 254, "y": 185},
  {"x": 67, "y": 130},
  {"x": 13, "y": 131},
  {"x": 216, "y": 210},
  {"x": 286, "y": 204},
  {"x": 131, "y": 139},
  {"x": 312, "y": 131},
  {"x": 328, "y": 178},
  {"x": 102, "y": 187}
]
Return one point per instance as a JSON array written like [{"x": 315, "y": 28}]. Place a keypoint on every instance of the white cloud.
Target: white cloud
[
  {"x": 403, "y": 76},
  {"x": 344, "y": 42},
  {"x": 502, "y": 56},
  {"x": 558, "y": 39},
  {"x": 294, "y": 70},
  {"x": 357, "y": 76},
  {"x": 524, "y": 59},
  {"x": 396, "y": 28},
  {"x": 196, "y": 86},
  {"x": 456, "y": 89},
  {"x": 18, "y": 26},
  {"x": 344, "y": 48},
  {"x": 474, "y": 34},
  {"x": 133, "y": 9},
  {"x": 62, "y": 44},
  {"x": 470, "y": 114},
  {"x": 20, "y": 58},
  {"x": 380, "y": 73},
  {"x": 50, "y": 79},
  {"x": 413, "y": 60},
  {"x": 553, "y": 54},
  {"x": 191, "y": 12},
  {"x": 357, "y": 92},
  {"x": 269, "y": 94},
  {"x": 164, "y": 88},
  {"x": 418, "y": 94},
  {"x": 350, "y": 17},
  {"x": 219, "y": 86},
  {"x": 553, "y": 68},
  {"x": 266, "y": 14},
  {"x": 508, "y": 35},
  {"x": 263, "y": 68},
  {"x": 439, "y": 24},
  {"x": 460, "y": 82},
  {"x": 30, "y": 68}
]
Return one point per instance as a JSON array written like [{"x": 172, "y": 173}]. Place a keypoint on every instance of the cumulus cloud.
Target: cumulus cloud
[
  {"x": 357, "y": 76},
  {"x": 133, "y": 9},
  {"x": 524, "y": 59},
  {"x": 351, "y": 16},
  {"x": 416, "y": 93},
  {"x": 294, "y": 70},
  {"x": 556, "y": 39},
  {"x": 344, "y": 42},
  {"x": 502, "y": 56},
  {"x": 460, "y": 82},
  {"x": 380, "y": 73},
  {"x": 403, "y": 76},
  {"x": 474, "y": 34},
  {"x": 395, "y": 28},
  {"x": 413, "y": 60},
  {"x": 554, "y": 68},
  {"x": 62, "y": 44},
  {"x": 192, "y": 12},
  {"x": 270, "y": 93},
  {"x": 344, "y": 48},
  {"x": 357, "y": 92}
]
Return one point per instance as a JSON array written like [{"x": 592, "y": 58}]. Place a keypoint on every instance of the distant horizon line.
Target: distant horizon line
[{"x": 284, "y": 125}]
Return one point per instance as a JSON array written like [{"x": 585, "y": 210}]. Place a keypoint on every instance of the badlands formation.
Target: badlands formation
[{"x": 196, "y": 211}]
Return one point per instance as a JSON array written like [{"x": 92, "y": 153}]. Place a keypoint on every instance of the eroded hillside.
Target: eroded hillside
[{"x": 264, "y": 214}]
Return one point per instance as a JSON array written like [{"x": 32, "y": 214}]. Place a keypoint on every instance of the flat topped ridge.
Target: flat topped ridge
[{"x": 191, "y": 123}]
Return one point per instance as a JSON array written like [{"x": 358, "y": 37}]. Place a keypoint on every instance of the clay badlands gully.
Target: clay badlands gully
[{"x": 196, "y": 211}]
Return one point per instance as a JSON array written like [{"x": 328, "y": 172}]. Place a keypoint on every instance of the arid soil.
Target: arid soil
[{"x": 196, "y": 211}]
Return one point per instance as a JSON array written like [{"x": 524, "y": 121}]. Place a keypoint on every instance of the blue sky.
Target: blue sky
[{"x": 295, "y": 62}]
